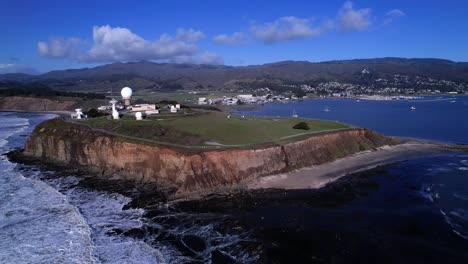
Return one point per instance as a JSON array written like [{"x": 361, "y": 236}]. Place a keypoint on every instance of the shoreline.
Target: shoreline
[
  {"x": 315, "y": 177},
  {"x": 59, "y": 113}
]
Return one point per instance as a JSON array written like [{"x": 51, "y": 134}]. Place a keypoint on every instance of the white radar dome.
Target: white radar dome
[
  {"x": 126, "y": 92},
  {"x": 138, "y": 115}
]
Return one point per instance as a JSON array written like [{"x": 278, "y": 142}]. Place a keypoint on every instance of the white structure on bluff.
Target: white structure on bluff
[
  {"x": 177, "y": 106},
  {"x": 173, "y": 109},
  {"x": 202, "y": 101},
  {"x": 126, "y": 95},
  {"x": 139, "y": 116},
  {"x": 78, "y": 114},
  {"x": 143, "y": 107},
  {"x": 151, "y": 112},
  {"x": 115, "y": 114}
]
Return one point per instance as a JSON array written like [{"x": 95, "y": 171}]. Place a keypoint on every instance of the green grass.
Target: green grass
[
  {"x": 216, "y": 127},
  {"x": 212, "y": 127}
]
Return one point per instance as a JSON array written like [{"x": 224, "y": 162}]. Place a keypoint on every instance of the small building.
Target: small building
[
  {"x": 173, "y": 109},
  {"x": 143, "y": 107},
  {"x": 152, "y": 112},
  {"x": 202, "y": 101}
]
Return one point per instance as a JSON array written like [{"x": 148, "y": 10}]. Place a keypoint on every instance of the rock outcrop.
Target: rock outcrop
[{"x": 188, "y": 170}]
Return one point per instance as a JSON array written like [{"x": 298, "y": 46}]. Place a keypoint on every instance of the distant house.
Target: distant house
[
  {"x": 246, "y": 98},
  {"x": 202, "y": 101}
]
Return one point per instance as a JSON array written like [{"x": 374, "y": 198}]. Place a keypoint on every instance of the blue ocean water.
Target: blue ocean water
[
  {"x": 442, "y": 179},
  {"x": 435, "y": 118}
]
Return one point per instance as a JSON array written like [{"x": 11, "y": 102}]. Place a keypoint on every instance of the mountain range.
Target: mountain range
[{"x": 171, "y": 76}]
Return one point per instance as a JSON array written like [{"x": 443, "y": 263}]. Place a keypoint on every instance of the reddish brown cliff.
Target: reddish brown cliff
[{"x": 57, "y": 140}]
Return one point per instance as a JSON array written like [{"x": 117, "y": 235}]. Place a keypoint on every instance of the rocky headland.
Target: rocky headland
[{"x": 187, "y": 170}]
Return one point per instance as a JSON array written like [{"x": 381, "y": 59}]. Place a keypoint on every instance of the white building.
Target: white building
[
  {"x": 246, "y": 98},
  {"x": 143, "y": 107},
  {"x": 202, "y": 101},
  {"x": 152, "y": 112}
]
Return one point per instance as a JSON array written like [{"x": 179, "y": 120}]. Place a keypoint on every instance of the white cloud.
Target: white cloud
[
  {"x": 233, "y": 39},
  {"x": 350, "y": 19},
  {"x": 112, "y": 44},
  {"x": 289, "y": 28},
  {"x": 6, "y": 65},
  {"x": 391, "y": 15},
  {"x": 284, "y": 29},
  {"x": 58, "y": 47},
  {"x": 206, "y": 58},
  {"x": 190, "y": 34},
  {"x": 14, "y": 68},
  {"x": 120, "y": 44}
]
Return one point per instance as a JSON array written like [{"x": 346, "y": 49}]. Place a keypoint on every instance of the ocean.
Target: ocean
[{"x": 414, "y": 211}]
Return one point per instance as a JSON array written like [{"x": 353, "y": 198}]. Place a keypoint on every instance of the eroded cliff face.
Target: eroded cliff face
[{"x": 58, "y": 141}]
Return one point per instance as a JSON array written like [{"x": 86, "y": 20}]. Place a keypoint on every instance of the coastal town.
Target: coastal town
[{"x": 399, "y": 87}]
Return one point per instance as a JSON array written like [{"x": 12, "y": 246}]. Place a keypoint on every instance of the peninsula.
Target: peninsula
[{"x": 197, "y": 151}]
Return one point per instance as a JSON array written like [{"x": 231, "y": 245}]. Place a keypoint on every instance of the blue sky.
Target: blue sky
[{"x": 48, "y": 35}]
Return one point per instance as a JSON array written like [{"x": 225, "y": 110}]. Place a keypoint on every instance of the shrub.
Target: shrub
[
  {"x": 301, "y": 125},
  {"x": 93, "y": 113}
]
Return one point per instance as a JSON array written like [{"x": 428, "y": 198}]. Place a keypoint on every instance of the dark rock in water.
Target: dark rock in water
[
  {"x": 135, "y": 233},
  {"x": 194, "y": 243},
  {"x": 152, "y": 231},
  {"x": 219, "y": 257}
]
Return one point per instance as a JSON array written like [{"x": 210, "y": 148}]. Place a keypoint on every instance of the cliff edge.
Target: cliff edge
[{"x": 184, "y": 169}]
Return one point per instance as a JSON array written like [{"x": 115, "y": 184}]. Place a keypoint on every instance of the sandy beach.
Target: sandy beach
[{"x": 318, "y": 176}]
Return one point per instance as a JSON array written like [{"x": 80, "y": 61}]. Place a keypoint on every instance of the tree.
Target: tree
[
  {"x": 93, "y": 113},
  {"x": 301, "y": 125}
]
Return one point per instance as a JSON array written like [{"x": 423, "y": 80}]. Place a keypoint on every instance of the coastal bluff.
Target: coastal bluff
[{"x": 188, "y": 170}]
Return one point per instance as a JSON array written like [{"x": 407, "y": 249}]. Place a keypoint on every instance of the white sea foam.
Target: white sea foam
[
  {"x": 37, "y": 224},
  {"x": 103, "y": 212}
]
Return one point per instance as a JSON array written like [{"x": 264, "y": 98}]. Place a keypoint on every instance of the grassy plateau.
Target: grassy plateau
[{"x": 211, "y": 128}]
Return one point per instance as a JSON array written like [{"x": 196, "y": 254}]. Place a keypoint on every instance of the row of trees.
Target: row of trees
[{"x": 42, "y": 91}]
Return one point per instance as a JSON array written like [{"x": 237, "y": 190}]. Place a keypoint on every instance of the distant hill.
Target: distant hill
[{"x": 170, "y": 76}]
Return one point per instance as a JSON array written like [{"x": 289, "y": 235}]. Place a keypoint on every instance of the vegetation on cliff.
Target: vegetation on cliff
[
  {"x": 212, "y": 128},
  {"x": 189, "y": 169}
]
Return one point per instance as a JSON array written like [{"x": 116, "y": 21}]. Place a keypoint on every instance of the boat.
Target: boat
[
  {"x": 294, "y": 113},
  {"x": 412, "y": 108},
  {"x": 326, "y": 109}
]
